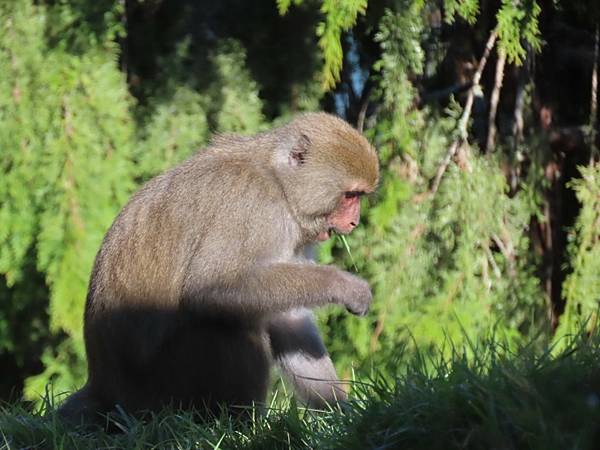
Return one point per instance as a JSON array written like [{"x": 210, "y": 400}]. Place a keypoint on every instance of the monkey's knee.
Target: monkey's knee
[
  {"x": 321, "y": 394},
  {"x": 314, "y": 379}
]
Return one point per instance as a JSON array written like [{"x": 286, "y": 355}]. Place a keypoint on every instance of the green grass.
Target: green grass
[{"x": 495, "y": 400}]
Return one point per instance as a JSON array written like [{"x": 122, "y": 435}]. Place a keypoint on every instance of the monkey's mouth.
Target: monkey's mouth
[{"x": 324, "y": 235}]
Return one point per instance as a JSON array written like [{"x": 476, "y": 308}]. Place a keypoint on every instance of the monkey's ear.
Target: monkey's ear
[{"x": 298, "y": 151}]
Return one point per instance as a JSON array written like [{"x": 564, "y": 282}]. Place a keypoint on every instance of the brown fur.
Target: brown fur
[{"x": 201, "y": 272}]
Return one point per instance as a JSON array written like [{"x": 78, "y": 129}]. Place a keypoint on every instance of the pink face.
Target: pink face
[{"x": 345, "y": 217}]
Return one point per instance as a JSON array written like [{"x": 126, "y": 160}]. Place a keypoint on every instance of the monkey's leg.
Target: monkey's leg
[{"x": 302, "y": 357}]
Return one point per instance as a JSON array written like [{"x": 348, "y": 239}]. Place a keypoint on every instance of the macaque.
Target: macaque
[{"x": 202, "y": 283}]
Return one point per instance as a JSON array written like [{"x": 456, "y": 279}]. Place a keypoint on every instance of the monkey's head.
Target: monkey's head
[{"x": 325, "y": 166}]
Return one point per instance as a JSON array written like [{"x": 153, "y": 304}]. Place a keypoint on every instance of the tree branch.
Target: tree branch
[
  {"x": 491, "y": 137},
  {"x": 464, "y": 119},
  {"x": 594, "y": 100},
  {"x": 518, "y": 122},
  {"x": 364, "y": 105}
]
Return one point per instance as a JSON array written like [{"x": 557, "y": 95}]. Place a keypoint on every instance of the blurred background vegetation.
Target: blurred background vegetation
[{"x": 484, "y": 113}]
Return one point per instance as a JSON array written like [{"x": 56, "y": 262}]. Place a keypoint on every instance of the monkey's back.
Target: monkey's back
[{"x": 194, "y": 217}]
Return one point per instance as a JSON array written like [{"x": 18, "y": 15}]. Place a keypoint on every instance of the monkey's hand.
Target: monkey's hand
[{"x": 356, "y": 294}]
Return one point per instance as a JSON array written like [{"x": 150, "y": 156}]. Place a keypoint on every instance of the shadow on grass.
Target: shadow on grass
[{"x": 481, "y": 397}]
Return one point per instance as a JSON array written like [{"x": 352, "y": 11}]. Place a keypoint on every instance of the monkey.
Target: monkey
[{"x": 202, "y": 283}]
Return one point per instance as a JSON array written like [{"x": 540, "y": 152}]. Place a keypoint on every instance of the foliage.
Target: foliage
[
  {"x": 176, "y": 119},
  {"x": 173, "y": 129},
  {"x": 582, "y": 287},
  {"x": 339, "y": 17},
  {"x": 467, "y": 9},
  {"x": 518, "y": 23},
  {"x": 239, "y": 107},
  {"x": 65, "y": 138}
]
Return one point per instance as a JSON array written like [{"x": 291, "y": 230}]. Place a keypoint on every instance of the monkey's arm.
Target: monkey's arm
[
  {"x": 281, "y": 286},
  {"x": 302, "y": 357}
]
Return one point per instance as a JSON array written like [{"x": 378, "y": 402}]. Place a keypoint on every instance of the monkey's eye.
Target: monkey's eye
[{"x": 353, "y": 194}]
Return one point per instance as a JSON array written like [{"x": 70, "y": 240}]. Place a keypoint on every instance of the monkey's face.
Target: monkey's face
[
  {"x": 324, "y": 165},
  {"x": 345, "y": 217}
]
